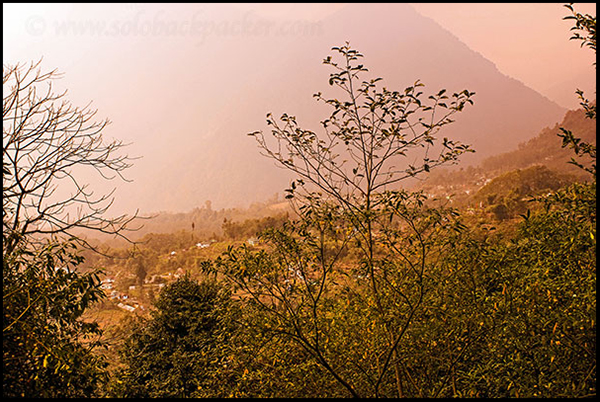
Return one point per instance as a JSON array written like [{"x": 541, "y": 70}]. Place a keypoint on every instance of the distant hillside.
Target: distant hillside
[
  {"x": 208, "y": 223},
  {"x": 507, "y": 195},
  {"x": 277, "y": 73},
  {"x": 543, "y": 149},
  {"x": 203, "y": 223}
]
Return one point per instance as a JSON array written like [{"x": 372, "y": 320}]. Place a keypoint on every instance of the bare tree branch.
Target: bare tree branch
[{"x": 46, "y": 142}]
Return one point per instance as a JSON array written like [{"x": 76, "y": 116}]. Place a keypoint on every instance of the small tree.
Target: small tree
[
  {"x": 346, "y": 191},
  {"x": 47, "y": 348},
  {"x": 183, "y": 350}
]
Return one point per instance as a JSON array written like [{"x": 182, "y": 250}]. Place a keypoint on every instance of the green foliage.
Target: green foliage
[
  {"x": 581, "y": 148},
  {"x": 49, "y": 350},
  {"x": 47, "y": 347},
  {"x": 533, "y": 294},
  {"x": 286, "y": 286},
  {"x": 539, "y": 304},
  {"x": 585, "y": 24},
  {"x": 183, "y": 349}
]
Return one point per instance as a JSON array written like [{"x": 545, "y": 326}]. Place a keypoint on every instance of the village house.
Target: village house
[{"x": 126, "y": 307}]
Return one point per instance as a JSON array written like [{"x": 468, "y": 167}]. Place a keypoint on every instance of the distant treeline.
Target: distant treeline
[
  {"x": 252, "y": 227},
  {"x": 203, "y": 222}
]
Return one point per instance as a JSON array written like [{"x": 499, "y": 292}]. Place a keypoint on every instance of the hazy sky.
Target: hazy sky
[
  {"x": 527, "y": 41},
  {"x": 144, "y": 69}
]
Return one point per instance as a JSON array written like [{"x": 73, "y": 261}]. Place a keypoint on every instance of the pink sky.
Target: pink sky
[{"x": 527, "y": 41}]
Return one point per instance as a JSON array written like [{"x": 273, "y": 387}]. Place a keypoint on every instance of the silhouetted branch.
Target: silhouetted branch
[{"x": 46, "y": 141}]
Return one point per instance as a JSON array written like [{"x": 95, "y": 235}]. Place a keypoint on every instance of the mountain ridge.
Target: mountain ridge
[{"x": 228, "y": 169}]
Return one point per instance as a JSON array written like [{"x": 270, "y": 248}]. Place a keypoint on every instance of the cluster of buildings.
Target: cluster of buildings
[
  {"x": 128, "y": 303},
  {"x": 124, "y": 301}
]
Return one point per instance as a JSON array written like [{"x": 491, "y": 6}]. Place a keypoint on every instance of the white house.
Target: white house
[
  {"x": 107, "y": 284},
  {"x": 126, "y": 307}
]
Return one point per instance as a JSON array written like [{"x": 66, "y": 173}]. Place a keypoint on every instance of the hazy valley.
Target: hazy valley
[{"x": 298, "y": 200}]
